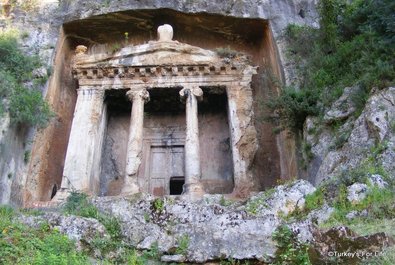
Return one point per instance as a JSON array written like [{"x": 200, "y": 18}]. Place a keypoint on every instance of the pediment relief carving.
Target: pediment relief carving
[
  {"x": 155, "y": 53},
  {"x": 155, "y": 60}
]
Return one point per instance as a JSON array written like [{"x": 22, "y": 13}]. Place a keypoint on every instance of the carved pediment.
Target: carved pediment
[
  {"x": 158, "y": 53},
  {"x": 151, "y": 62}
]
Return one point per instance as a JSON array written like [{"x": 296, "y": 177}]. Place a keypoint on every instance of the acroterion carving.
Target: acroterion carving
[
  {"x": 80, "y": 49},
  {"x": 165, "y": 33}
]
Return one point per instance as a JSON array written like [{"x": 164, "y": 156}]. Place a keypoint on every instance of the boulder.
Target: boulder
[
  {"x": 344, "y": 246},
  {"x": 357, "y": 192},
  {"x": 82, "y": 230}
]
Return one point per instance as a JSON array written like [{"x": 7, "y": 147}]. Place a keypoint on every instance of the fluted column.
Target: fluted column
[
  {"x": 85, "y": 142},
  {"x": 135, "y": 140},
  {"x": 192, "y": 185}
]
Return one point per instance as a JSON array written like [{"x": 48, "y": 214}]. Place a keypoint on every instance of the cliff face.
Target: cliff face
[{"x": 54, "y": 29}]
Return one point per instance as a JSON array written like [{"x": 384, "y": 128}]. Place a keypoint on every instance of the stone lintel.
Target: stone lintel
[
  {"x": 96, "y": 71},
  {"x": 160, "y": 82}
]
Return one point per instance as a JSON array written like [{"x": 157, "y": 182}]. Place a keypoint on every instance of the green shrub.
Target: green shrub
[
  {"x": 355, "y": 45},
  {"x": 293, "y": 106},
  {"x": 25, "y": 105},
  {"x": 158, "y": 205},
  {"x": 313, "y": 201},
  {"x": 20, "y": 244},
  {"x": 78, "y": 204},
  {"x": 289, "y": 249},
  {"x": 183, "y": 244}
]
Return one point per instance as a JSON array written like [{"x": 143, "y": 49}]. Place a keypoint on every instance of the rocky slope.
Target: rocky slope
[
  {"x": 215, "y": 228},
  {"x": 365, "y": 142}
]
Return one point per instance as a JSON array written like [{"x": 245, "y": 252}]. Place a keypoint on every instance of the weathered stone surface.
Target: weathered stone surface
[
  {"x": 285, "y": 198},
  {"x": 321, "y": 215},
  {"x": 377, "y": 180},
  {"x": 372, "y": 129},
  {"x": 343, "y": 107},
  {"x": 344, "y": 244},
  {"x": 357, "y": 192},
  {"x": 82, "y": 230},
  {"x": 172, "y": 258},
  {"x": 213, "y": 231},
  {"x": 83, "y": 158}
]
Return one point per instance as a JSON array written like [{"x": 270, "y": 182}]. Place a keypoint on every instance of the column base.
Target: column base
[
  {"x": 193, "y": 190},
  {"x": 61, "y": 196},
  {"x": 130, "y": 187}
]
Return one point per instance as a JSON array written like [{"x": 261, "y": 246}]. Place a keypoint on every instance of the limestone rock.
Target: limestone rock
[
  {"x": 321, "y": 215},
  {"x": 213, "y": 231},
  {"x": 285, "y": 198},
  {"x": 357, "y": 192},
  {"x": 379, "y": 113},
  {"x": 343, "y": 107},
  {"x": 172, "y": 258},
  {"x": 353, "y": 214},
  {"x": 373, "y": 128},
  {"x": 82, "y": 230},
  {"x": 377, "y": 180},
  {"x": 338, "y": 241}
]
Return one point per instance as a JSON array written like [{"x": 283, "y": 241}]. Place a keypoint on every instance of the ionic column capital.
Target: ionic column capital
[
  {"x": 134, "y": 94},
  {"x": 194, "y": 90}
]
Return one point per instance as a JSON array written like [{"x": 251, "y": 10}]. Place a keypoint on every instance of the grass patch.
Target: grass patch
[
  {"x": 313, "y": 201},
  {"x": 78, "y": 204},
  {"x": 20, "y": 244},
  {"x": 253, "y": 204},
  {"x": 379, "y": 204}
]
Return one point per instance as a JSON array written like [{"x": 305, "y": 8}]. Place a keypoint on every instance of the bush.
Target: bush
[
  {"x": 293, "y": 106},
  {"x": 26, "y": 105},
  {"x": 78, "y": 204},
  {"x": 20, "y": 244},
  {"x": 355, "y": 45},
  {"x": 289, "y": 249}
]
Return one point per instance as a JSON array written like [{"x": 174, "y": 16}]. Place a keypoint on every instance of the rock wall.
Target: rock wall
[
  {"x": 55, "y": 28},
  {"x": 365, "y": 143}
]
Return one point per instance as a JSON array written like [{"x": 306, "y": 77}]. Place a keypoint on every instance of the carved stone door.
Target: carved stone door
[{"x": 166, "y": 163}]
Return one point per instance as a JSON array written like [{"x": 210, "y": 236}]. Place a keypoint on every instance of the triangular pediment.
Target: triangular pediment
[{"x": 154, "y": 53}]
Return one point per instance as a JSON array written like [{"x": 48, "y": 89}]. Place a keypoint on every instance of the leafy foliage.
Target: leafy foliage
[
  {"x": 289, "y": 250},
  {"x": 26, "y": 105},
  {"x": 183, "y": 244},
  {"x": 355, "y": 45},
  {"x": 293, "y": 106},
  {"x": 313, "y": 201},
  {"x": 78, "y": 204},
  {"x": 20, "y": 244}
]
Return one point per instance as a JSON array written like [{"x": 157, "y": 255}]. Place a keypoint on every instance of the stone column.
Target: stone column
[
  {"x": 243, "y": 133},
  {"x": 135, "y": 140},
  {"x": 86, "y": 138},
  {"x": 192, "y": 186}
]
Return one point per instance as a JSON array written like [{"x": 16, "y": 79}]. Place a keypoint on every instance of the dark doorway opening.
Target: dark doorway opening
[{"x": 176, "y": 184}]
